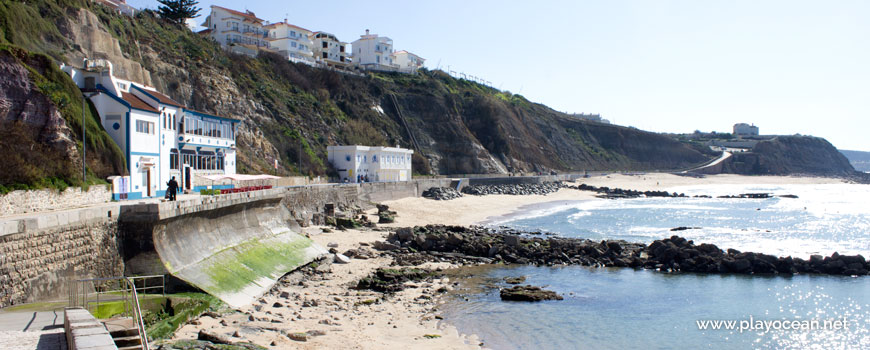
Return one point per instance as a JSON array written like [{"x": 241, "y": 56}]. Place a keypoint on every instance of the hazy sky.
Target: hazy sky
[{"x": 787, "y": 66}]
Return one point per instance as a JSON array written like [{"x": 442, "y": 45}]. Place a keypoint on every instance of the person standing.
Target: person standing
[{"x": 173, "y": 188}]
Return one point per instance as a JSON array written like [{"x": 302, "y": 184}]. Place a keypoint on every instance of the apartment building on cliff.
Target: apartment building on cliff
[
  {"x": 159, "y": 137},
  {"x": 373, "y": 52},
  {"x": 407, "y": 62},
  {"x": 292, "y": 42},
  {"x": 329, "y": 51},
  {"x": 236, "y": 31}
]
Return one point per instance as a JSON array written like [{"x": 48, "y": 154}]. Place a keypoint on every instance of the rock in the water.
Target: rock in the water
[
  {"x": 515, "y": 280},
  {"x": 528, "y": 293}
]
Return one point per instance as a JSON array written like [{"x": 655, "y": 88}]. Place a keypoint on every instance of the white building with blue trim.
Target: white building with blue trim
[{"x": 159, "y": 137}]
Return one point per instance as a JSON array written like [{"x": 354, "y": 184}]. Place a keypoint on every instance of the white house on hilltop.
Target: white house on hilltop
[
  {"x": 291, "y": 41},
  {"x": 743, "y": 129},
  {"x": 373, "y": 52},
  {"x": 239, "y": 32},
  {"x": 371, "y": 164},
  {"x": 158, "y": 136},
  {"x": 408, "y": 62}
]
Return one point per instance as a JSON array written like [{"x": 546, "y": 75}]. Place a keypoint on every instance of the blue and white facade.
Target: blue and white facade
[{"x": 158, "y": 136}]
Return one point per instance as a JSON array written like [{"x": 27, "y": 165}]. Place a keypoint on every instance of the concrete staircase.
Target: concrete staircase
[{"x": 124, "y": 333}]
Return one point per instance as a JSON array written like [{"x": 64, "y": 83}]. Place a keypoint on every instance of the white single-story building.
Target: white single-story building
[{"x": 371, "y": 164}]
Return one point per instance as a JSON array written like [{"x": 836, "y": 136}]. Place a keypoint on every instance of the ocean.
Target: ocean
[{"x": 613, "y": 308}]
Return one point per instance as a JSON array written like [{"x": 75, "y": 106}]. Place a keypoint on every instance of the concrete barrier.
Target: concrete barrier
[
  {"x": 235, "y": 253},
  {"x": 84, "y": 332}
]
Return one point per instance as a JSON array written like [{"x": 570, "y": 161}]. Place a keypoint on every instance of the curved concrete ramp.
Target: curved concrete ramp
[{"x": 235, "y": 253}]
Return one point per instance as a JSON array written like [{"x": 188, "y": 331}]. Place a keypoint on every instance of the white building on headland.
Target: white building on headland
[
  {"x": 329, "y": 51},
  {"x": 236, "y": 31},
  {"x": 158, "y": 136},
  {"x": 371, "y": 164},
  {"x": 373, "y": 52},
  {"x": 291, "y": 41},
  {"x": 743, "y": 129},
  {"x": 119, "y": 5},
  {"x": 408, "y": 62}
]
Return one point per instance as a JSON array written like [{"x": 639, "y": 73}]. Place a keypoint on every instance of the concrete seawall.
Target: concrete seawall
[{"x": 213, "y": 242}]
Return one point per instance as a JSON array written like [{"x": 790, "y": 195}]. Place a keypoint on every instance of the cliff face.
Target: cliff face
[
  {"x": 40, "y": 126},
  {"x": 785, "y": 155},
  {"x": 292, "y": 112}
]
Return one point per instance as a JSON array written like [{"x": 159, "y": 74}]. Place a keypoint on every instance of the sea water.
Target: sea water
[{"x": 612, "y": 308}]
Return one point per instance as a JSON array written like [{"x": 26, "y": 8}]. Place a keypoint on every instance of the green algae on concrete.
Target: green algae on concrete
[{"x": 237, "y": 267}]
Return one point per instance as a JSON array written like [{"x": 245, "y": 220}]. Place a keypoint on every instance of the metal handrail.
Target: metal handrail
[
  {"x": 140, "y": 324},
  {"x": 129, "y": 296}
]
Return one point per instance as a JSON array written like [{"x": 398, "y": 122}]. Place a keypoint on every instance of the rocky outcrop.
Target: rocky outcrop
[
  {"x": 83, "y": 28},
  {"x": 785, "y": 155},
  {"x": 480, "y": 245}
]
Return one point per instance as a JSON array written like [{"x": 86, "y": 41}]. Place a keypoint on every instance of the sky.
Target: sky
[{"x": 787, "y": 66}]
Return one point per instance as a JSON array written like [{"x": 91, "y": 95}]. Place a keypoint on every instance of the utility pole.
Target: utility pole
[{"x": 85, "y": 137}]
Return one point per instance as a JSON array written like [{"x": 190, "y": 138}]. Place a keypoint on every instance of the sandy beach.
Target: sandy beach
[{"x": 325, "y": 304}]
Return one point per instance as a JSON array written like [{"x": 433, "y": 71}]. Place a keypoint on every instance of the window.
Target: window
[
  {"x": 292, "y": 33},
  {"x": 293, "y": 44},
  {"x": 325, "y": 55},
  {"x": 173, "y": 159},
  {"x": 374, "y": 158},
  {"x": 325, "y": 45},
  {"x": 144, "y": 127}
]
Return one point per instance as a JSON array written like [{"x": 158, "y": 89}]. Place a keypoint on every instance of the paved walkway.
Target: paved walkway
[{"x": 32, "y": 330}]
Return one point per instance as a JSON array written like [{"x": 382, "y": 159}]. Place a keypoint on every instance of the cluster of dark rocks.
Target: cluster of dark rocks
[
  {"x": 474, "y": 245},
  {"x": 515, "y": 189},
  {"x": 616, "y": 193},
  {"x": 678, "y": 254},
  {"x": 613, "y": 193},
  {"x": 385, "y": 215},
  {"x": 441, "y": 193}
]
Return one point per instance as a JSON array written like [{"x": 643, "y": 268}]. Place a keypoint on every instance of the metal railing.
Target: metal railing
[{"x": 90, "y": 293}]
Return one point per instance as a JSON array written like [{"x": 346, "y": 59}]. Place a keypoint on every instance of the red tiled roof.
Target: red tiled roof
[
  {"x": 249, "y": 15},
  {"x": 163, "y": 98},
  {"x": 136, "y": 102},
  {"x": 287, "y": 24},
  {"x": 205, "y": 31}
]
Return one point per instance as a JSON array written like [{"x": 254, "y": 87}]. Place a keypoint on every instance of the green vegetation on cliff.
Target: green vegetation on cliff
[
  {"x": 35, "y": 148},
  {"x": 291, "y": 112}
]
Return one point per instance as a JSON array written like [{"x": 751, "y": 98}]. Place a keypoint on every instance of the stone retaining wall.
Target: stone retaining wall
[
  {"x": 20, "y": 202},
  {"x": 36, "y": 265}
]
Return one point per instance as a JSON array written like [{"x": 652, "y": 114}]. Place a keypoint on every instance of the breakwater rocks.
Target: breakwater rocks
[
  {"x": 607, "y": 192},
  {"x": 473, "y": 245},
  {"x": 441, "y": 193},
  {"x": 615, "y": 193},
  {"x": 678, "y": 254},
  {"x": 517, "y": 189}
]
